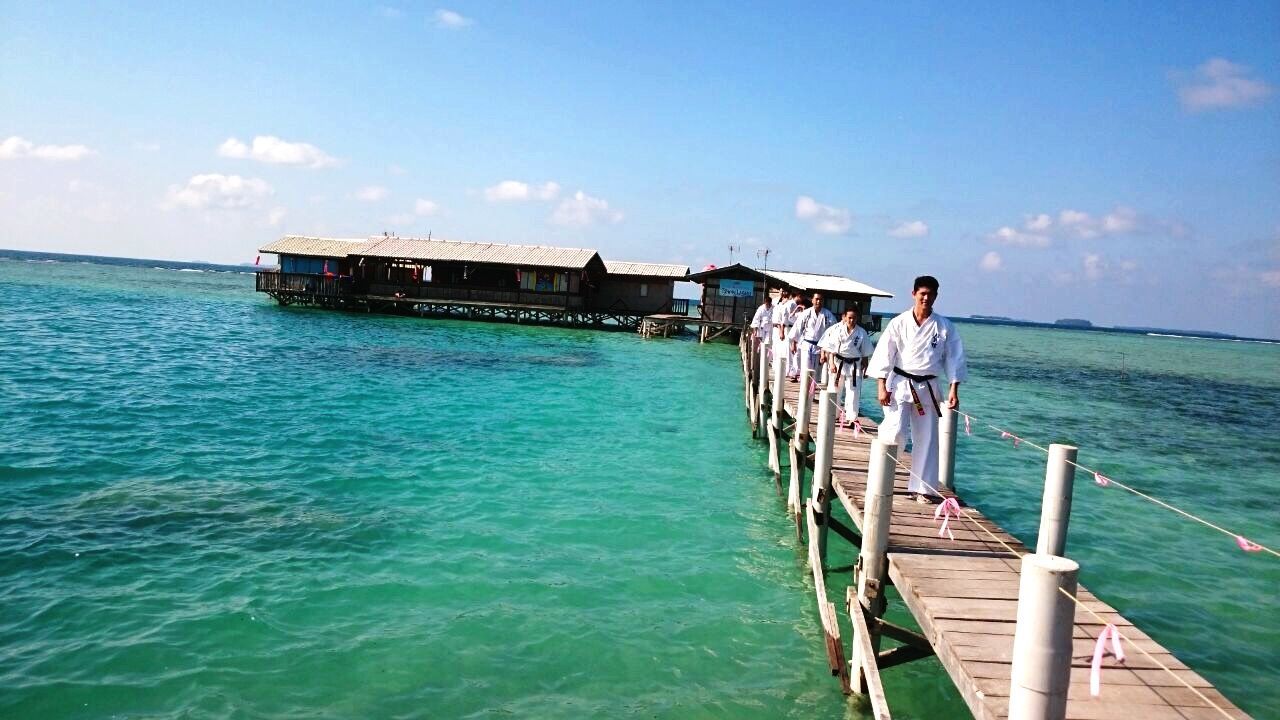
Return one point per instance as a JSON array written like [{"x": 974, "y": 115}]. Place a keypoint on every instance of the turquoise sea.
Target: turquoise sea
[{"x": 214, "y": 507}]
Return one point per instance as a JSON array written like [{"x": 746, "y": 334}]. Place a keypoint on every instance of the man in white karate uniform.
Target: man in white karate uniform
[
  {"x": 915, "y": 348},
  {"x": 762, "y": 322},
  {"x": 808, "y": 330},
  {"x": 783, "y": 313},
  {"x": 844, "y": 348}
]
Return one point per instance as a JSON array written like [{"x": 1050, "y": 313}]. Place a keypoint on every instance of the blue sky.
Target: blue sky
[{"x": 1119, "y": 162}]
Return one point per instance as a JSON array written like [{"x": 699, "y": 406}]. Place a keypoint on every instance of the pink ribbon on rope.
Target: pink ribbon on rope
[
  {"x": 1101, "y": 480},
  {"x": 1006, "y": 434},
  {"x": 1100, "y": 649},
  {"x": 946, "y": 510},
  {"x": 1247, "y": 546},
  {"x": 840, "y": 417},
  {"x": 967, "y": 431},
  {"x": 857, "y": 428}
]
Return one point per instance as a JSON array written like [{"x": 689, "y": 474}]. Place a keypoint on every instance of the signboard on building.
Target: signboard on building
[{"x": 737, "y": 288}]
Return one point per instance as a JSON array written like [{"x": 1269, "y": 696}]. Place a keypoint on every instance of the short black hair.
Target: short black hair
[{"x": 925, "y": 281}]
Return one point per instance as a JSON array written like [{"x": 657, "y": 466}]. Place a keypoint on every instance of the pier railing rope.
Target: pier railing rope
[
  {"x": 1108, "y": 627},
  {"x": 1102, "y": 480}
]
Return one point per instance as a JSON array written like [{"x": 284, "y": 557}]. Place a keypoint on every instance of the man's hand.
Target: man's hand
[
  {"x": 953, "y": 397},
  {"x": 793, "y": 346},
  {"x": 882, "y": 392}
]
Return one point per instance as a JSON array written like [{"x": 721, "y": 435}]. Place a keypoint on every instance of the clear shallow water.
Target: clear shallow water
[{"x": 215, "y": 507}]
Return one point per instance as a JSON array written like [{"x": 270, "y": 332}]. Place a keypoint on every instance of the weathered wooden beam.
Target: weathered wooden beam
[
  {"x": 901, "y": 655},
  {"x": 904, "y": 635},
  {"x": 865, "y": 659},
  {"x": 845, "y": 531}
]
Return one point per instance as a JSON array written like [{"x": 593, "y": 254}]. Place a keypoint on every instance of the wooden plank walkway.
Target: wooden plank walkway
[{"x": 964, "y": 595}]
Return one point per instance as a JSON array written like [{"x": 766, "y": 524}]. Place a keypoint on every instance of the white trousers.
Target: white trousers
[
  {"x": 781, "y": 350},
  {"x": 809, "y": 359},
  {"x": 901, "y": 417},
  {"x": 851, "y": 389}
]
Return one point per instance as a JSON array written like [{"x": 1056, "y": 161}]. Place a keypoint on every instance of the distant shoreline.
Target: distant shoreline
[{"x": 976, "y": 320}]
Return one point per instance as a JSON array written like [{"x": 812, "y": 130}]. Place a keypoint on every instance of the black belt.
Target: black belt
[
  {"x": 916, "y": 398},
  {"x": 811, "y": 342}
]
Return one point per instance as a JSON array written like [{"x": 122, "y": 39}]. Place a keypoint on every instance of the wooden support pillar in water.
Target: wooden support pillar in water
[
  {"x": 872, "y": 571},
  {"x": 799, "y": 451},
  {"x": 1041, "y": 672},
  {"x": 824, "y": 451},
  {"x": 762, "y": 386},
  {"x": 1055, "y": 508},
  {"x": 947, "y": 449},
  {"x": 775, "y": 420}
]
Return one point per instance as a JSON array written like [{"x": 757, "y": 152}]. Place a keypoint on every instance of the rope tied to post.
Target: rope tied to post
[{"x": 1106, "y": 481}]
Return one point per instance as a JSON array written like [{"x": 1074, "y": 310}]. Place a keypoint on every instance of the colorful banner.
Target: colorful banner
[{"x": 737, "y": 288}]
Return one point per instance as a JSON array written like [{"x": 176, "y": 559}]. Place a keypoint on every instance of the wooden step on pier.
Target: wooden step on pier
[{"x": 962, "y": 592}]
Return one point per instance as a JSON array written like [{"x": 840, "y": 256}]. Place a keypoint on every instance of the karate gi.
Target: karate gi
[
  {"x": 762, "y": 323},
  {"x": 807, "y": 331},
  {"x": 848, "y": 348},
  {"x": 783, "y": 315},
  {"x": 932, "y": 348}
]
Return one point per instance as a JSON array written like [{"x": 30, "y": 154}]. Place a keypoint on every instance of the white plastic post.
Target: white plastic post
[
  {"x": 1041, "y": 672},
  {"x": 876, "y": 518},
  {"x": 1055, "y": 509},
  {"x": 775, "y": 418},
  {"x": 947, "y": 449},
  {"x": 823, "y": 454},
  {"x": 799, "y": 446},
  {"x": 762, "y": 384},
  {"x": 804, "y": 406}
]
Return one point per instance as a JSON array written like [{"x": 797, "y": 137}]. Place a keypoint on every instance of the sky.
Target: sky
[{"x": 1118, "y": 162}]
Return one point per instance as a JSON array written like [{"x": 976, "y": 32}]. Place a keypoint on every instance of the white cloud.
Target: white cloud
[
  {"x": 1009, "y": 236},
  {"x": 424, "y": 207},
  {"x": 516, "y": 191},
  {"x": 15, "y": 147},
  {"x": 824, "y": 219},
  {"x": 991, "y": 262},
  {"x": 1220, "y": 84},
  {"x": 402, "y": 219},
  {"x": 389, "y": 12},
  {"x": 910, "y": 229},
  {"x": 214, "y": 190},
  {"x": 276, "y": 216},
  {"x": 1128, "y": 265},
  {"x": 451, "y": 20},
  {"x": 274, "y": 151},
  {"x": 396, "y": 169},
  {"x": 1040, "y": 229},
  {"x": 371, "y": 193},
  {"x": 1270, "y": 278},
  {"x": 1037, "y": 223},
  {"x": 1094, "y": 266},
  {"x": 581, "y": 210}
]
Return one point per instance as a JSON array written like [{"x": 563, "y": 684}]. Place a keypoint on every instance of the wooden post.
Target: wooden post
[
  {"x": 799, "y": 446},
  {"x": 1055, "y": 508},
  {"x": 872, "y": 571},
  {"x": 1041, "y": 672},
  {"x": 762, "y": 385},
  {"x": 947, "y": 450},
  {"x": 824, "y": 452},
  {"x": 775, "y": 420}
]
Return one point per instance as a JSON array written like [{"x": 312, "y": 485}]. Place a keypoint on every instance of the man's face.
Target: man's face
[
  {"x": 817, "y": 301},
  {"x": 850, "y": 318},
  {"x": 924, "y": 298}
]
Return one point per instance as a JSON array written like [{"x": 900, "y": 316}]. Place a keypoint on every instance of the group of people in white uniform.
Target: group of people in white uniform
[{"x": 914, "y": 350}]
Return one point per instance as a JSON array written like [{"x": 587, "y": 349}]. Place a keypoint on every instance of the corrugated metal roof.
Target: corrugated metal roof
[
  {"x": 626, "y": 267},
  {"x": 313, "y": 246},
  {"x": 453, "y": 251},
  {"x": 828, "y": 283}
]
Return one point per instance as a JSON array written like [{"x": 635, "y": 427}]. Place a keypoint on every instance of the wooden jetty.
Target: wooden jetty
[{"x": 1012, "y": 628}]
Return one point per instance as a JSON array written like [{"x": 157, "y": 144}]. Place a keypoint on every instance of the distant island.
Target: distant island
[
  {"x": 1080, "y": 324},
  {"x": 1073, "y": 323}
]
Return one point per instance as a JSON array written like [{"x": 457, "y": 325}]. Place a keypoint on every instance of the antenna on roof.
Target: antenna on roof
[
  {"x": 428, "y": 234},
  {"x": 733, "y": 249},
  {"x": 764, "y": 253}
]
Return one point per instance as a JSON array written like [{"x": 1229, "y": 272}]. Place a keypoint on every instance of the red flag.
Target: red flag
[{"x": 326, "y": 267}]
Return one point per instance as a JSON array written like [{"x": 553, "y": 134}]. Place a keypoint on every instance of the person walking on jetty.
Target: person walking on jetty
[
  {"x": 844, "y": 348},
  {"x": 914, "y": 349},
  {"x": 808, "y": 330},
  {"x": 762, "y": 322},
  {"x": 783, "y": 315}
]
